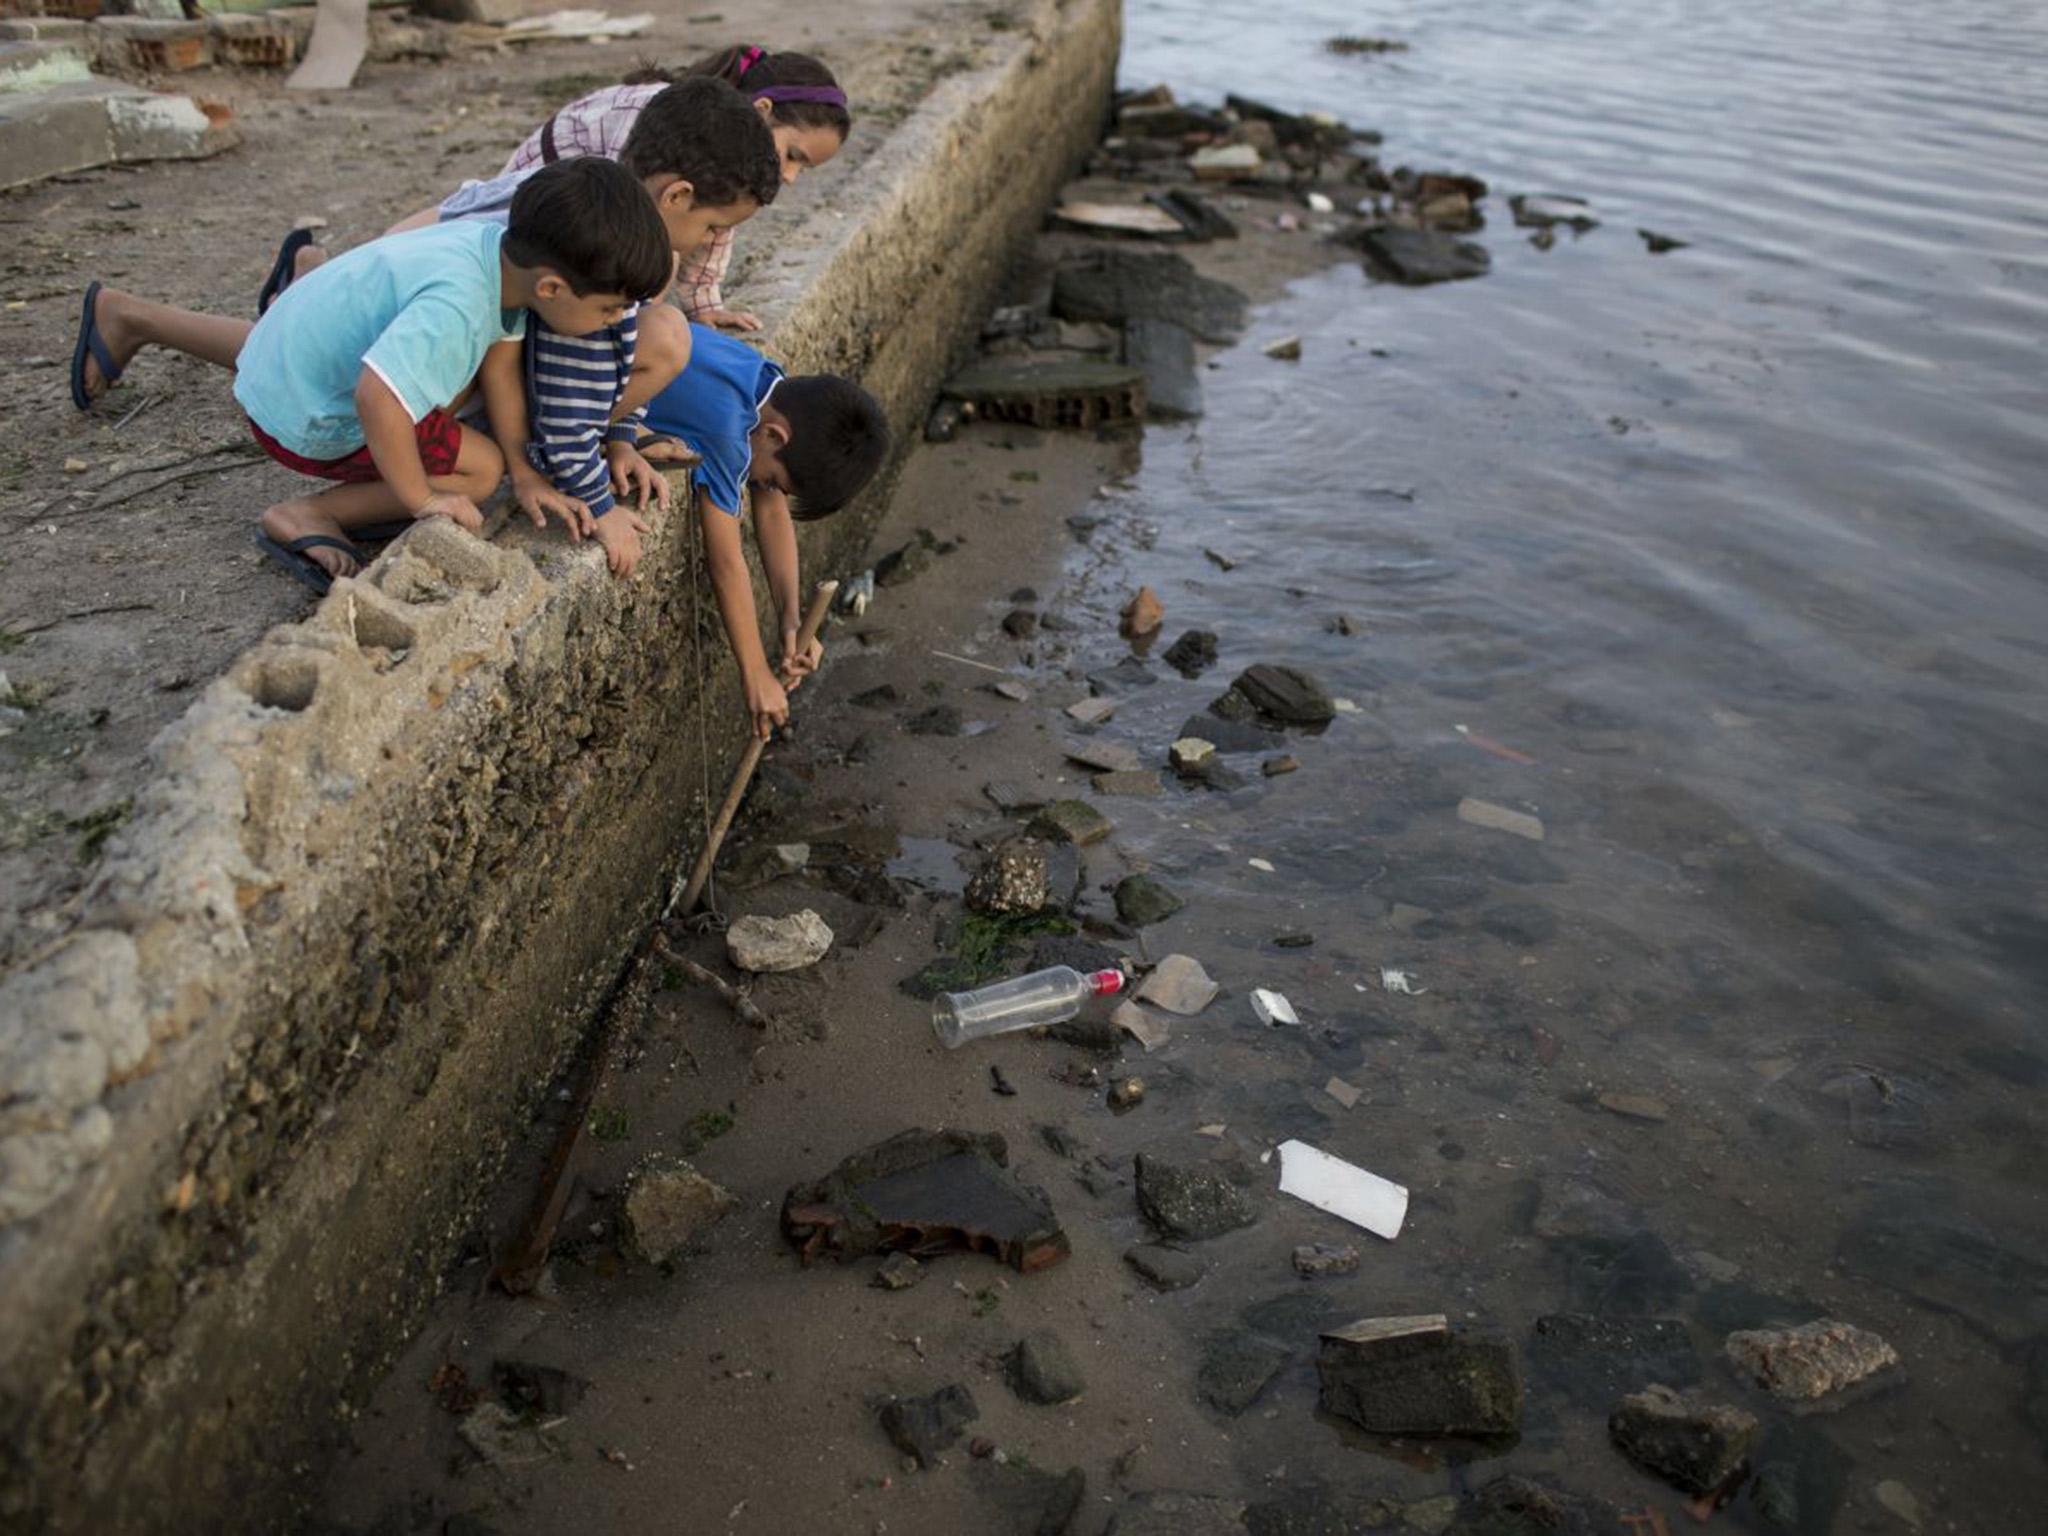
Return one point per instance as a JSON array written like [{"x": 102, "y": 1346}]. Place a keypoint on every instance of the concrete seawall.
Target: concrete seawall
[{"x": 387, "y": 873}]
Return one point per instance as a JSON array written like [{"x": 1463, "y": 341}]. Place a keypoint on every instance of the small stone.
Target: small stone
[
  {"x": 1694, "y": 1445},
  {"x": 1127, "y": 1093},
  {"x": 1272, "y": 1008},
  {"x": 1636, "y": 1106},
  {"x": 1273, "y": 767},
  {"x": 1190, "y": 1200},
  {"x": 1139, "y": 783},
  {"x": 1484, "y": 813},
  {"x": 1235, "y": 1369},
  {"x": 1011, "y": 798},
  {"x": 1091, "y": 711},
  {"x": 1344, "y": 624},
  {"x": 1102, "y": 756},
  {"x": 924, "y": 1426},
  {"x": 1012, "y": 880},
  {"x": 1190, "y": 754},
  {"x": 1286, "y": 694},
  {"x": 878, "y": 697},
  {"x": 1418, "y": 1375},
  {"x": 1041, "y": 1369},
  {"x": 1020, "y": 623},
  {"x": 1142, "y": 901},
  {"x": 901, "y": 565},
  {"x": 1294, "y": 939},
  {"x": 1142, "y": 615},
  {"x": 1900, "y": 1500},
  {"x": 898, "y": 1272},
  {"x": 76, "y": 466},
  {"x": 668, "y": 1204},
  {"x": 1225, "y": 162},
  {"x": 1286, "y": 350},
  {"x": 1432, "y": 1517},
  {"x": 1167, "y": 1269},
  {"x": 1343, "y": 1092},
  {"x": 1179, "y": 985},
  {"x": 1315, "y": 1260},
  {"x": 939, "y": 720},
  {"x": 1016, "y": 693},
  {"x": 778, "y": 943},
  {"x": 1148, "y": 1029},
  {"x": 1073, "y": 821},
  {"x": 1192, "y": 654},
  {"x": 1804, "y": 1364}
]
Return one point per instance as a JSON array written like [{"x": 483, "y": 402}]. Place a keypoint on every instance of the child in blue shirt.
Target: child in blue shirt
[
  {"x": 354, "y": 374},
  {"x": 803, "y": 447}
]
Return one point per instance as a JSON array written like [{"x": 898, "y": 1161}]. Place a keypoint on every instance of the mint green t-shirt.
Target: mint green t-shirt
[{"x": 418, "y": 309}]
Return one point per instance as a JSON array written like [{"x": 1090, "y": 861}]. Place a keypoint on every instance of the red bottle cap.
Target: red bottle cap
[{"x": 1106, "y": 983}]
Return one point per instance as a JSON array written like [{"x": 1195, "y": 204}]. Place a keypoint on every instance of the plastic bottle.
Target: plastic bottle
[{"x": 1043, "y": 997}]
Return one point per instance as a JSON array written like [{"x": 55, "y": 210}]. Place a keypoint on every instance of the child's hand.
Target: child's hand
[
  {"x": 767, "y": 703},
  {"x": 634, "y": 477},
  {"x": 737, "y": 319},
  {"x": 459, "y": 510},
  {"x": 798, "y": 665},
  {"x": 537, "y": 498},
  {"x": 619, "y": 532}
]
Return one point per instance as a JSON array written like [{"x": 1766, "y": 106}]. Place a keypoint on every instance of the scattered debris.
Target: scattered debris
[
  {"x": 924, "y": 1426},
  {"x": 1142, "y": 901},
  {"x": 757, "y": 943},
  {"x": 1147, "y": 1029},
  {"x": 1274, "y": 767},
  {"x": 1542, "y": 210},
  {"x": 1635, "y": 1106},
  {"x": 1091, "y": 711},
  {"x": 1331, "y": 1184},
  {"x": 1659, "y": 244},
  {"x": 1272, "y": 1007},
  {"x": 1179, "y": 985},
  {"x": 1142, "y": 615},
  {"x": 1189, "y": 1200},
  {"x": 1286, "y": 350},
  {"x": 1343, "y": 1092},
  {"x": 926, "y": 1192},
  {"x": 1420, "y": 1376},
  {"x": 1694, "y": 1445},
  {"x": 1127, "y": 1093},
  {"x": 1484, "y": 813},
  {"x": 1316, "y": 1260},
  {"x": 898, "y": 1272},
  {"x": 1807, "y": 1363},
  {"x": 1166, "y": 1269},
  {"x": 1399, "y": 982}
]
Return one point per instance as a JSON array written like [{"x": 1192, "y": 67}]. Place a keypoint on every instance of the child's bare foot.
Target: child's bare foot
[
  {"x": 113, "y": 319},
  {"x": 307, "y": 258},
  {"x": 291, "y": 520}
]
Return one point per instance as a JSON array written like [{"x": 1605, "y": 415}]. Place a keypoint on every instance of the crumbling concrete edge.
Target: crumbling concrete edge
[{"x": 248, "y": 1102}]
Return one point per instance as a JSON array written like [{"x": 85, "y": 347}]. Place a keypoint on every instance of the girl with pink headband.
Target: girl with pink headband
[{"x": 798, "y": 96}]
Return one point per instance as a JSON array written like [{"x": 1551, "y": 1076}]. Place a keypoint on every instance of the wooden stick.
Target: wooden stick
[
  {"x": 742, "y": 1005},
  {"x": 686, "y": 903}
]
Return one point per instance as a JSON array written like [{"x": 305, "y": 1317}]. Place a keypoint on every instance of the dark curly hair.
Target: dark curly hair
[{"x": 709, "y": 134}]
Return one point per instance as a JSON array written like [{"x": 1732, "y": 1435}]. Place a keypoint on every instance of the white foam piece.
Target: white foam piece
[
  {"x": 1273, "y": 1007},
  {"x": 1331, "y": 1184}
]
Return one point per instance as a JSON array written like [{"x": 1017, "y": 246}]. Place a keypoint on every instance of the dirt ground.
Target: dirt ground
[{"x": 127, "y": 575}]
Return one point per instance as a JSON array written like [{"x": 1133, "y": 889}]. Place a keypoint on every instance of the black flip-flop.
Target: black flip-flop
[
  {"x": 302, "y": 567},
  {"x": 281, "y": 269},
  {"x": 90, "y": 345}
]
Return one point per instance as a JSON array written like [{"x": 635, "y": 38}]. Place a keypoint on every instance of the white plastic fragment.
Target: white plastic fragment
[
  {"x": 1399, "y": 981},
  {"x": 1272, "y": 1007},
  {"x": 1484, "y": 813},
  {"x": 1148, "y": 1029},
  {"x": 1318, "y": 203},
  {"x": 1179, "y": 985},
  {"x": 1345, "y": 706},
  {"x": 1343, "y": 1092},
  {"x": 1262, "y": 865},
  {"x": 1331, "y": 1184}
]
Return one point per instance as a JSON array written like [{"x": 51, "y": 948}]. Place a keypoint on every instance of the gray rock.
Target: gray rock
[
  {"x": 1807, "y": 1363},
  {"x": 1193, "y": 653},
  {"x": 1165, "y": 353},
  {"x": 1286, "y": 694},
  {"x": 1166, "y": 1269},
  {"x": 668, "y": 1205},
  {"x": 1026, "y": 1500},
  {"x": 904, "y": 564},
  {"x": 1169, "y": 121},
  {"x": 939, "y": 720},
  {"x": 1072, "y": 821},
  {"x": 1041, "y": 1369},
  {"x": 1313, "y": 1260},
  {"x": 1418, "y": 256},
  {"x": 1012, "y": 880},
  {"x": 924, "y": 1426},
  {"x": 898, "y": 1272},
  {"x": 1142, "y": 901},
  {"x": 790, "y": 943},
  {"x": 1190, "y": 1200},
  {"x": 1235, "y": 1369},
  {"x": 1418, "y": 1375},
  {"x": 1102, "y": 756},
  {"x": 1695, "y": 1446},
  {"x": 1011, "y": 798},
  {"x": 1120, "y": 286},
  {"x": 1020, "y": 623}
]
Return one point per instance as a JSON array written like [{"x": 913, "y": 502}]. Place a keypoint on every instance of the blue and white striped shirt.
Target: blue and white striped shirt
[{"x": 572, "y": 383}]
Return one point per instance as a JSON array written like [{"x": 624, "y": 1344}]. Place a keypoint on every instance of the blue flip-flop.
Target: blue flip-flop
[
  {"x": 302, "y": 567},
  {"x": 281, "y": 269},
  {"x": 90, "y": 344}
]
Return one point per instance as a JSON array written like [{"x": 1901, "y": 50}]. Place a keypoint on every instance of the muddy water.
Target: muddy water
[{"x": 1726, "y": 564}]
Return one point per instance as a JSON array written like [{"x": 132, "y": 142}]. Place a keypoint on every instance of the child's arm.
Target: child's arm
[
  {"x": 388, "y": 431},
  {"x": 734, "y": 585},
  {"x": 775, "y": 532},
  {"x": 505, "y": 403}
]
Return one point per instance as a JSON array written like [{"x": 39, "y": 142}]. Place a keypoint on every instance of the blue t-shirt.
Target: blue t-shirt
[
  {"x": 713, "y": 405},
  {"x": 419, "y": 310}
]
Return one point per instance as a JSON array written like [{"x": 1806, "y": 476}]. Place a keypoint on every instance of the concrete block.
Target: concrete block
[
  {"x": 98, "y": 122},
  {"x": 145, "y": 45},
  {"x": 253, "y": 42},
  {"x": 38, "y": 64}
]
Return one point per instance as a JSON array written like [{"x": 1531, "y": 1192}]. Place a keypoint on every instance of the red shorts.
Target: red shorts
[{"x": 438, "y": 434}]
